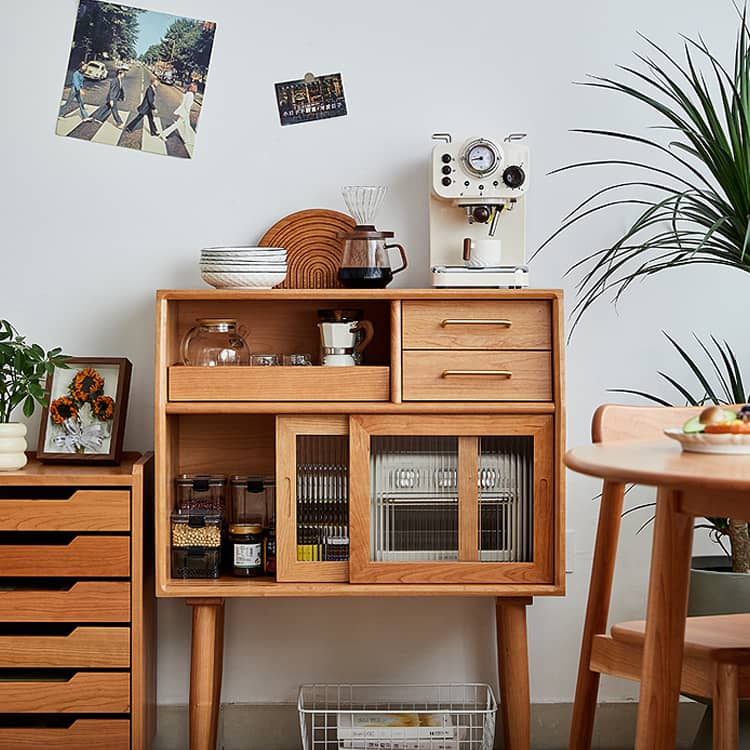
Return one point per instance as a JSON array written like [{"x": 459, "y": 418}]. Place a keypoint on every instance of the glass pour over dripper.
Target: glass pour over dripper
[{"x": 364, "y": 202}]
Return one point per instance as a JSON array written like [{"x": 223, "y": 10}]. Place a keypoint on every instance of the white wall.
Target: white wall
[{"x": 89, "y": 232}]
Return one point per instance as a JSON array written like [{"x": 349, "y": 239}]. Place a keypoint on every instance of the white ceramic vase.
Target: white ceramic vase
[{"x": 12, "y": 446}]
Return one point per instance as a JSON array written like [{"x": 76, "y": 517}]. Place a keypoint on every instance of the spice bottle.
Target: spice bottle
[
  {"x": 269, "y": 552},
  {"x": 246, "y": 542}
]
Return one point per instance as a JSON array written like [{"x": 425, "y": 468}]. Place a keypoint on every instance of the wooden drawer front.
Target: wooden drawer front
[
  {"x": 89, "y": 734},
  {"x": 279, "y": 383},
  {"x": 477, "y": 324},
  {"x": 477, "y": 376},
  {"x": 85, "y": 601},
  {"x": 85, "y": 510},
  {"x": 84, "y": 647},
  {"x": 84, "y": 693},
  {"x": 89, "y": 556}
]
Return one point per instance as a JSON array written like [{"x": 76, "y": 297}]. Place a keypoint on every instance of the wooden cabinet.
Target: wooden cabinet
[
  {"x": 77, "y": 612},
  {"x": 434, "y": 468}
]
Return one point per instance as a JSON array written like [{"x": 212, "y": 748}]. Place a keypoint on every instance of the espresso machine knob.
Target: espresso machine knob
[
  {"x": 481, "y": 214},
  {"x": 514, "y": 176}
]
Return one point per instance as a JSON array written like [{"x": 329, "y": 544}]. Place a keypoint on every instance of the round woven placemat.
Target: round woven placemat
[{"x": 313, "y": 251}]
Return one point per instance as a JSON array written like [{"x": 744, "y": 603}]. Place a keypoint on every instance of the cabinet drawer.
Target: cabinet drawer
[
  {"x": 477, "y": 324},
  {"x": 83, "y": 510},
  {"x": 84, "y": 647},
  {"x": 84, "y": 556},
  {"x": 84, "y": 601},
  {"x": 92, "y": 734},
  {"x": 362, "y": 383},
  {"x": 477, "y": 376},
  {"x": 83, "y": 693}
]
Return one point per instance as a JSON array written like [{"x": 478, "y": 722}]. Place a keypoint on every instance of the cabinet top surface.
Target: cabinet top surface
[
  {"x": 364, "y": 294},
  {"x": 35, "y": 472}
]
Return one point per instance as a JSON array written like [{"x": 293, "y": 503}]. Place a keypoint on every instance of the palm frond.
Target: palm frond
[{"x": 694, "y": 207}]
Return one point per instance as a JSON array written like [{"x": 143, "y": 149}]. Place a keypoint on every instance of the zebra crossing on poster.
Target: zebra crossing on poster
[{"x": 110, "y": 134}]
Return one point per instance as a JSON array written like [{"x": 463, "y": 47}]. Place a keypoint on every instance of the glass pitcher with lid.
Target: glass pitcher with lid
[{"x": 215, "y": 342}]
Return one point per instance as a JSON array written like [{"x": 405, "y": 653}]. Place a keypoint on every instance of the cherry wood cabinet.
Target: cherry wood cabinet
[
  {"x": 77, "y": 607},
  {"x": 434, "y": 468}
]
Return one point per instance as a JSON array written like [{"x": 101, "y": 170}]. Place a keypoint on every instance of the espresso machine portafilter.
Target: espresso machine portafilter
[{"x": 478, "y": 212}]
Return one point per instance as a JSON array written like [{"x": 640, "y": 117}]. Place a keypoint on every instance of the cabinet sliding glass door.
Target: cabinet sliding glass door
[{"x": 454, "y": 499}]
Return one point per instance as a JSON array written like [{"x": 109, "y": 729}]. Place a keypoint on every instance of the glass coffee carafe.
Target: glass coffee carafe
[
  {"x": 215, "y": 342},
  {"x": 365, "y": 263}
]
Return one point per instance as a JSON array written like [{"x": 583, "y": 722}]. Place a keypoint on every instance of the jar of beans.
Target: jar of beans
[
  {"x": 200, "y": 492},
  {"x": 196, "y": 545}
]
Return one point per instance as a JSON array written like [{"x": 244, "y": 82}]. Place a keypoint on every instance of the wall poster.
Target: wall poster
[{"x": 135, "y": 78}]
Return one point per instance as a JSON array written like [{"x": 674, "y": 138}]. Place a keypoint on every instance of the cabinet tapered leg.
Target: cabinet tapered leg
[
  {"x": 513, "y": 665},
  {"x": 206, "y": 671}
]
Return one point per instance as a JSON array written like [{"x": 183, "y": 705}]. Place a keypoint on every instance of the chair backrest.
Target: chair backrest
[{"x": 619, "y": 422}]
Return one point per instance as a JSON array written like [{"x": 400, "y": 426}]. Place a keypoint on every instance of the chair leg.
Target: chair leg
[
  {"x": 726, "y": 707},
  {"x": 597, "y": 612}
]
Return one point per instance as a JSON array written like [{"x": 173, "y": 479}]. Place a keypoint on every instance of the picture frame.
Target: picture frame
[{"x": 84, "y": 420}]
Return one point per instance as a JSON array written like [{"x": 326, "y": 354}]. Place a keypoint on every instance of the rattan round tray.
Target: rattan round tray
[{"x": 313, "y": 250}]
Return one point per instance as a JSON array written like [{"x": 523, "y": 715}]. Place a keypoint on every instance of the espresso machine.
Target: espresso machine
[{"x": 477, "y": 212}]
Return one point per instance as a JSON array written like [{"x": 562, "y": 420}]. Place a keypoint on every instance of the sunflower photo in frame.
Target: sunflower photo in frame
[{"x": 84, "y": 421}]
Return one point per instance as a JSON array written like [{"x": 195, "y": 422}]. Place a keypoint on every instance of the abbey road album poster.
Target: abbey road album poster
[{"x": 135, "y": 78}]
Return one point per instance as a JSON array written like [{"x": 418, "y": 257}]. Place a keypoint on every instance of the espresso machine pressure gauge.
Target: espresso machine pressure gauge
[{"x": 482, "y": 157}]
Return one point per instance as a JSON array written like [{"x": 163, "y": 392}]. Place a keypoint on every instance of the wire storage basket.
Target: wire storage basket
[{"x": 397, "y": 717}]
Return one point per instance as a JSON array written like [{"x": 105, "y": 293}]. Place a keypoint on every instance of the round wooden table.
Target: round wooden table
[{"x": 689, "y": 485}]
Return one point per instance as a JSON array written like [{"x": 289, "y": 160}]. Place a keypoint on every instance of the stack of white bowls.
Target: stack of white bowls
[{"x": 243, "y": 267}]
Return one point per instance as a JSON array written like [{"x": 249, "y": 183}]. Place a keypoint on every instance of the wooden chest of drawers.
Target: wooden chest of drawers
[{"x": 77, "y": 614}]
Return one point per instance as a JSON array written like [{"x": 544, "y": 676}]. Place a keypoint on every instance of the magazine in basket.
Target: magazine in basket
[{"x": 397, "y": 731}]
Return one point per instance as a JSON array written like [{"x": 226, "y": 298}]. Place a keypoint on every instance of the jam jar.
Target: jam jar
[{"x": 246, "y": 544}]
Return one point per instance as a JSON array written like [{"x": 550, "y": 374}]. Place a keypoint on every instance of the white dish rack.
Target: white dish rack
[{"x": 397, "y": 717}]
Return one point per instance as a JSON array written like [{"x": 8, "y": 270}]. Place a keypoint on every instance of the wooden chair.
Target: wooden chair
[{"x": 716, "y": 663}]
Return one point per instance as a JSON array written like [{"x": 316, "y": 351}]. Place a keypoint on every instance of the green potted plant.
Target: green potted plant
[{"x": 23, "y": 368}]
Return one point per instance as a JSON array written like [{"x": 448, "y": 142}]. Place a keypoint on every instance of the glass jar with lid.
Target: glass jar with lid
[
  {"x": 246, "y": 542},
  {"x": 253, "y": 499},
  {"x": 215, "y": 342},
  {"x": 200, "y": 492},
  {"x": 196, "y": 545}
]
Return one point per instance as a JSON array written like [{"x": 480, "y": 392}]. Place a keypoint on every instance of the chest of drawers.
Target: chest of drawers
[{"x": 77, "y": 614}]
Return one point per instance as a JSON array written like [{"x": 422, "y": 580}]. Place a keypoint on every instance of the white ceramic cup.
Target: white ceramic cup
[{"x": 483, "y": 253}]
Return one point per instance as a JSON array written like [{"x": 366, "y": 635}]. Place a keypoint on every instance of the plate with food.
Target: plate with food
[{"x": 717, "y": 429}]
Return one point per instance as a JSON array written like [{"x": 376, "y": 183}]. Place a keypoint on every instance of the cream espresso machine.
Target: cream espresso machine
[{"x": 477, "y": 212}]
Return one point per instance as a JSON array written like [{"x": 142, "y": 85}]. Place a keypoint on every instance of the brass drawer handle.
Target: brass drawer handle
[
  {"x": 476, "y": 322},
  {"x": 493, "y": 373}
]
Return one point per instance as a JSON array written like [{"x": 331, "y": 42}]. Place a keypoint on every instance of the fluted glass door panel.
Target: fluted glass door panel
[
  {"x": 414, "y": 509},
  {"x": 322, "y": 498},
  {"x": 506, "y": 491}
]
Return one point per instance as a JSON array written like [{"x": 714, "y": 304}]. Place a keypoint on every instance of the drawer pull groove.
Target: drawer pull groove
[
  {"x": 491, "y": 373},
  {"x": 504, "y": 322}
]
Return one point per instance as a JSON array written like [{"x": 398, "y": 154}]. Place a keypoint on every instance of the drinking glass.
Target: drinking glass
[{"x": 264, "y": 360}]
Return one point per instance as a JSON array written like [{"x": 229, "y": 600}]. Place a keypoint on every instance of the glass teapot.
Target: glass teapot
[{"x": 215, "y": 342}]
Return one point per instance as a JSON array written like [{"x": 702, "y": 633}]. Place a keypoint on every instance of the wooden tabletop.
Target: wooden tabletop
[{"x": 660, "y": 463}]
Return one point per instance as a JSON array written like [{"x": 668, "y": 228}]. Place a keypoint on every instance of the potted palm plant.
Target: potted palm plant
[
  {"x": 690, "y": 195},
  {"x": 23, "y": 368}
]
